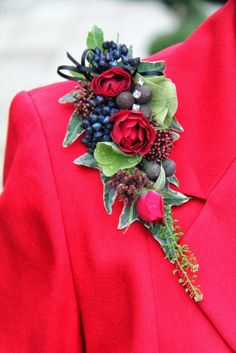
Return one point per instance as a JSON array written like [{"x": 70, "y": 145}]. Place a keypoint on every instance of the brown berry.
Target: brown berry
[
  {"x": 145, "y": 94},
  {"x": 169, "y": 166},
  {"x": 152, "y": 170},
  {"x": 145, "y": 110},
  {"x": 125, "y": 100}
]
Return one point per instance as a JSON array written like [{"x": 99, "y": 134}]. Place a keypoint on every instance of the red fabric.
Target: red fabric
[{"x": 70, "y": 282}]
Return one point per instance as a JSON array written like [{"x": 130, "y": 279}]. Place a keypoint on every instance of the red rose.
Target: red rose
[
  {"x": 132, "y": 131},
  {"x": 150, "y": 207},
  {"x": 112, "y": 82}
]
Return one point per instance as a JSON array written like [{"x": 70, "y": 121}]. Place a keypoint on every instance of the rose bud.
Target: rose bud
[
  {"x": 111, "y": 82},
  {"x": 150, "y": 207}
]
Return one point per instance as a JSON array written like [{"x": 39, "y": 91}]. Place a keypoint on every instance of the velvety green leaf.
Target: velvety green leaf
[
  {"x": 109, "y": 194},
  {"x": 128, "y": 216},
  {"x": 173, "y": 198},
  {"x": 173, "y": 180},
  {"x": 164, "y": 99},
  {"x": 87, "y": 160},
  {"x": 95, "y": 38},
  {"x": 151, "y": 66},
  {"x": 161, "y": 180},
  {"x": 68, "y": 98},
  {"x": 74, "y": 129},
  {"x": 176, "y": 125},
  {"x": 111, "y": 159}
]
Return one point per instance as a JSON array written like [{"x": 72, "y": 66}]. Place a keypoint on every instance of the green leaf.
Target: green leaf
[
  {"x": 176, "y": 125},
  {"x": 162, "y": 237},
  {"x": 68, "y": 98},
  {"x": 161, "y": 180},
  {"x": 111, "y": 159},
  {"x": 175, "y": 135},
  {"x": 164, "y": 99},
  {"x": 128, "y": 216},
  {"x": 173, "y": 198},
  {"x": 173, "y": 180},
  {"x": 95, "y": 38},
  {"x": 151, "y": 66},
  {"x": 76, "y": 74},
  {"x": 87, "y": 160},
  {"x": 109, "y": 194},
  {"x": 74, "y": 129}
]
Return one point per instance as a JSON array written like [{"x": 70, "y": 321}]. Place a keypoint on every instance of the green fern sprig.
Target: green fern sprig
[{"x": 184, "y": 260}]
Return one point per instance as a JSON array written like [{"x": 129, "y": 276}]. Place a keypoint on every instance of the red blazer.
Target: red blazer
[{"x": 70, "y": 282}]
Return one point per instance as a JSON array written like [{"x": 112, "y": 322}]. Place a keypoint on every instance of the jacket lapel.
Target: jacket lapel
[
  {"x": 212, "y": 237},
  {"x": 204, "y": 70}
]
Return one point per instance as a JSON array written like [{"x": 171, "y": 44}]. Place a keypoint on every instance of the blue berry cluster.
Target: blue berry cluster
[
  {"x": 112, "y": 55},
  {"x": 97, "y": 124}
]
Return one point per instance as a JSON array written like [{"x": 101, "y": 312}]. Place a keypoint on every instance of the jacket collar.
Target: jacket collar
[{"x": 204, "y": 70}]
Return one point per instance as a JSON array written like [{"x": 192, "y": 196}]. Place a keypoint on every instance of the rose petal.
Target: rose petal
[
  {"x": 127, "y": 132},
  {"x": 134, "y": 133},
  {"x": 130, "y": 123}
]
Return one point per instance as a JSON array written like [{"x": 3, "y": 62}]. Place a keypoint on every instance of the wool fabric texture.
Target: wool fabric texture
[{"x": 70, "y": 281}]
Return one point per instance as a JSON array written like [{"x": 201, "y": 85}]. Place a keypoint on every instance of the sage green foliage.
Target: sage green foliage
[
  {"x": 176, "y": 125},
  {"x": 173, "y": 180},
  {"x": 95, "y": 38},
  {"x": 161, "y": 180},
  {"x": 164, "y": 99},
  {"x": 109, "y": 194},
  {"x": 68, "y": 98},
  {"x": 175, "y": 135},
  {"x": 150, "y": 66},
  {"x": 74, "y": 129},
  {"x": 173, "y": 198},
  {"x": 162, "y": 239},
  {"x": 128, "y": 216},
  {"x": 86, "y": 160},
  {"x": 111, "y": 159}
]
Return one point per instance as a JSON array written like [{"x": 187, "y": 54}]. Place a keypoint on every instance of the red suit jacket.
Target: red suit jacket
[{"x": 70, "y": 282}]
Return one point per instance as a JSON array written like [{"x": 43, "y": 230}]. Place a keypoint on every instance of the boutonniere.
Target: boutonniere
[{"x": 124, "y": 113}]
